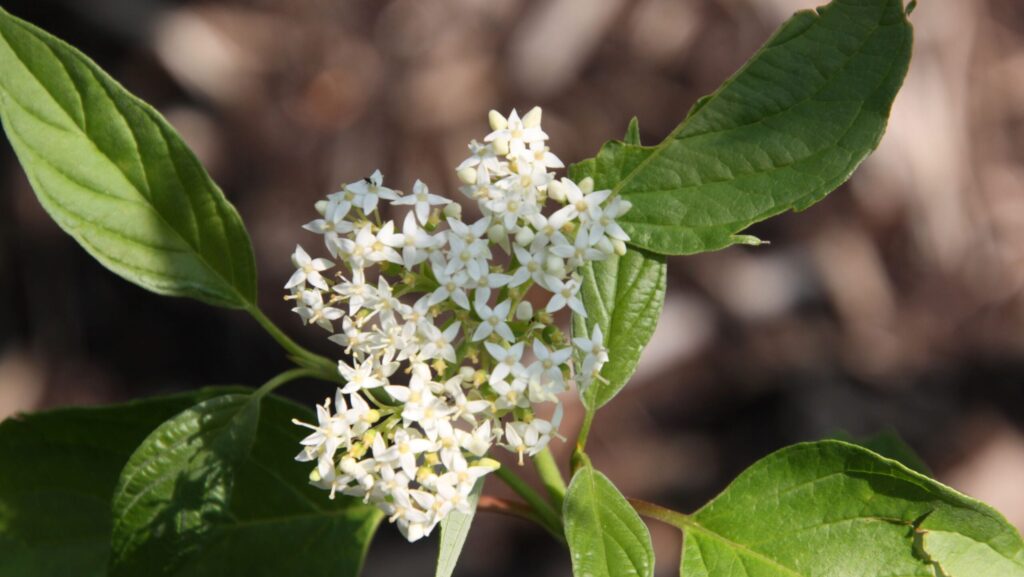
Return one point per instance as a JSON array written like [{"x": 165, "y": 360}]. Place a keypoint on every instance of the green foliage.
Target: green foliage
[
  {"x": 454, "y": 530},
  {"x": 59, "y": 473},
  {"x": 61, "y": 469},
  {"x": 818, "y": 508},
  {"x": 116, "y": 177},
  {"x": 177, "y": 485},
  {"x": 783, "y": 132},
  {"x": 605, "y": 535},
  {"x": 889, "y": 445},
  {"x": 624, "y": 296}
]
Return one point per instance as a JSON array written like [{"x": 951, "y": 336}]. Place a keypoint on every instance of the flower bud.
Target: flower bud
[
  {"x": 524, "y": 311},
  {"x": 466, "y": 374},
  {"x": 619, "y": 246},
  {"x": 501, "y": 146},
  {"x": 321, "y": 206},
  {"x": 554, "y": 265},
  {"x": 487, "y": 462},
  {"x": 556, "y": 190},
  {"x": 524, "y": 236},
  {"x": 497, "y": 234},
  {"x": 532, "y": 118},
  {"x": 467, "y": 175},
  {"x": 587, "y": 185},
  {"x": 497, "y": 120},
  {"x": 453, "y": 210}
]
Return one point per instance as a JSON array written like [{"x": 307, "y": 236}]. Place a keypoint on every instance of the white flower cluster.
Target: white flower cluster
[{"x": 446, "y": 302}]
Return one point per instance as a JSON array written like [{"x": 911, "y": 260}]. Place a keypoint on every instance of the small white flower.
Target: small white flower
[
  {"x": 505, "y": 357},
  {"x": 368, "y": 192},
  {"x": 517, "y": 133},
  {"x": 365, "y": 376},
  {"x": 313, "y": 310},
  {"x": 566, "y": 293},
  {"x": 493, "y": 320},
  {"x": 308, "y": 270},
  {"x": 422, "y": 200}
]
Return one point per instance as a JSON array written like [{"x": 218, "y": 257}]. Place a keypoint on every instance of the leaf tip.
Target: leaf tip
[{"x": 748, "y": 240}]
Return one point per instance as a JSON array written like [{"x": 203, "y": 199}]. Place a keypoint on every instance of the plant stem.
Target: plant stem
[
  {"x": 506, "y": 507},
  {"x": 551, "y": 476},
  {"x": 550, "y": 519},
  {"x": 285, "y": 377},
  {"x": 324, "y": 367},
  {"x": 665, "y": 515},
  {"x": 581, "y": 438}
]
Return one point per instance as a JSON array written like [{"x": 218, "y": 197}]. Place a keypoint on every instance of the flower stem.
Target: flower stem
[
  {"x": 506, "y": 507},
  {"x": 551, "y": 476},
  {"x": 581, "y": 439},
  {"x": 665, "y": 515},
  {"x": 285, "y": 377},
  {"x": 550, "y": 519},
  {"x": 322, "y": 366}
]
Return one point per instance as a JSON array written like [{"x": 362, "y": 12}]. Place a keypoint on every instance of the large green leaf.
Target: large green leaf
[
  {"x": 783, "y": 132},
  {"x": 177, "y": 485},
  {"x": 191, "y": 501},
  {"x": 624, "y": 296},
  {"x": 116, "y": 177},
  {"x": 832, "y": 508},
  {"x": 454, "y": 530},
  {"x": 605, "y": 535},
  {"x": 60, "y": 470}
]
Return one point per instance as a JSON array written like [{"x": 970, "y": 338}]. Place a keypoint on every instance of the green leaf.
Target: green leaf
[
  {"x": 832, "y": 508},
  {"x": 454, "y": 530},
  {"x": 59, "y": 472},
  {"x": 60, "y": 469},
  {"x": 784, "y": 131},
  {"x": 605, "y": 535},
  {"x": 177, "y": 485},
  {"x": 178, "y": 511},
  {"x": 116, "y": 177},
  {"x": 889, "y": 445},
  {"x": 624, "y": 296}
]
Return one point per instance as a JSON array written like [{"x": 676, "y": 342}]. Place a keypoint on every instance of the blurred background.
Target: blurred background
[{"x": 895, "y": 305}]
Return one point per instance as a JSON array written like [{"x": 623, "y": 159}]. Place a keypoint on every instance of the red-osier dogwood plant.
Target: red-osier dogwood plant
[{"x": 448, "y": 348}]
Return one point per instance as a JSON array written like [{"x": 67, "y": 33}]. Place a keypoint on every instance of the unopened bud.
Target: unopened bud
[
  {"x": 486, "y": 462},
  {"x": 619, "y": 246},
  {"x": 467, "y": 175},
  {"x": 453, "y": 210},
  {"x": 532, "y": 118},
  {"x": 497, "y": 120},
  {"x": 501, "y": 146},
  {"x": 498, "y": 235},
  {"x": 466, "y": 374},
  {"x": 371, "y": 416},
  {"x": 554, "y": 265},
  {"x": 321, "y": 206},
  {"x": 314, "y": 475},
  {"x": 556, "y": 190},
  {"x": 524, "y": 236},
  {"x": 587, "y": 185},
  {"x": 524, "y": 311}
]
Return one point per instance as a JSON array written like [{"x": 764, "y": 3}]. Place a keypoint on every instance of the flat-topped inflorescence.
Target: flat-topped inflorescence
[{"x": 446, "y": 302}]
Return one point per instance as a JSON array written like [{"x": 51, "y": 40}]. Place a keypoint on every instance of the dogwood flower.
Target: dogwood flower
[{"x": 434, "y": 324}]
